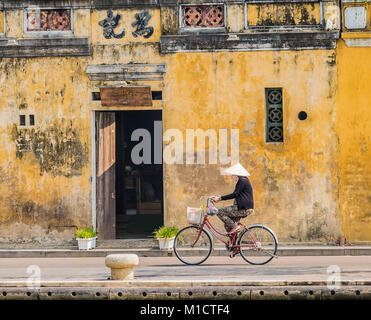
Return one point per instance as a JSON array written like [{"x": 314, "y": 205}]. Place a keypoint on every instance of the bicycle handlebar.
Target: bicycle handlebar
[{"x": 209, "y": 198}]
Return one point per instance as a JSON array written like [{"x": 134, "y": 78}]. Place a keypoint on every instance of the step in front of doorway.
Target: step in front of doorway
[{"x": 127, "y": 243}]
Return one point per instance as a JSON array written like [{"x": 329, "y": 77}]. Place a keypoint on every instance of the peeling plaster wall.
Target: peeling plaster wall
[
  {"x": 44, "y": 169},
  {"x": 285, "y": 14}
]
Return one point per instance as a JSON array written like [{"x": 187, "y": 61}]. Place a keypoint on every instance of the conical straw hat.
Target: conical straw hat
[{"x": 237, "y": 170}]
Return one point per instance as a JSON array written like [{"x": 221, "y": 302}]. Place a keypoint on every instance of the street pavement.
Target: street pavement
[{"x": 216, "y": 268}]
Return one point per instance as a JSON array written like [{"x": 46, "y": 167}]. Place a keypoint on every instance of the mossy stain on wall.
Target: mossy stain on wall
[{"x": 58, "y": 148}]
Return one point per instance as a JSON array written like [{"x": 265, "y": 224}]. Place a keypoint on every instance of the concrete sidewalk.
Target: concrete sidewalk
[
  {"x": 284, "y": 251},
  {"x": 284, "y": 270},
  {"x": 167, "y": 278}
]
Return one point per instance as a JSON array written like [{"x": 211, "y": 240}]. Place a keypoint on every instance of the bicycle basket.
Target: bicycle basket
[{"x": 194, "y": 215}]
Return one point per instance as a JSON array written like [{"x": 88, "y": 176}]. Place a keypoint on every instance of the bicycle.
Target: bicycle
[{"x": 257, "y": 244}]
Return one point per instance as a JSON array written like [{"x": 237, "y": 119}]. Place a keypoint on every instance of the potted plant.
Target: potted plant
[
  {"x": 86, "y": 238},
  {"x": 165, "y": 236}
]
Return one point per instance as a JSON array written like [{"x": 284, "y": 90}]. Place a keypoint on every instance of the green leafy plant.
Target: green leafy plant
[
  {"x": 86, "y": 233},
  {"x": 165, "y": 232}
]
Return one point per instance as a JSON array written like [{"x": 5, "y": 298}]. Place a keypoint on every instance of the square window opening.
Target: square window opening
[
  {"x": 156, "y": 95},
  {"x": 95, "y": 96},
  {"x": 22, "y": 120},
  {"x": 32, "y": 119}
]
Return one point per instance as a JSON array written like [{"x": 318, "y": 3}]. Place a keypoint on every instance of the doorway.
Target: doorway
[
  {"x": 135, "y": 208},
  {"x": 139, "y": 187}
]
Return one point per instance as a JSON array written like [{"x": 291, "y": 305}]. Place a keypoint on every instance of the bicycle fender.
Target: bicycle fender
[{"x": 262, "y": 225}]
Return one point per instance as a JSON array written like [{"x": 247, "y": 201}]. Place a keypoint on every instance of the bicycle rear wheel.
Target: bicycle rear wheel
[
  {"x": 258, "y": 245},
  {"x": 192, "y": 247}
]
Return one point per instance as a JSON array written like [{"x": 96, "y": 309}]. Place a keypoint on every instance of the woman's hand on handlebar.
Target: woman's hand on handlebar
[{"x": 216, "y": 199}]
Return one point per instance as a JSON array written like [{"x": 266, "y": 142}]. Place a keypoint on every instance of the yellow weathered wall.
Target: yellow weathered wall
[
  {"x": 45, "y": 191},
  {"x": 354, "y": 147},
  {"x": 295, "y": 183}
]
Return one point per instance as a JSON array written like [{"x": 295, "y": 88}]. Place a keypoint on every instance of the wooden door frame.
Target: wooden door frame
[
  {"x": 94, "y": 146},
  {"x": 105, "y": 174},
  {"x": 94, "y": 170}
]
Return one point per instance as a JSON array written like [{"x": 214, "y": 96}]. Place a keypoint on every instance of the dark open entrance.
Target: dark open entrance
[
  {"x": 139, "y": 187},
  {"x": 129, "y": 192}
]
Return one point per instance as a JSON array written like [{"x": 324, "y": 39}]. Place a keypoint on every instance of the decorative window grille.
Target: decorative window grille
[
  {"x": 203, "y": 16},
  {"x": 274, "y": 115},
  {"x": 48, "y": 20}
]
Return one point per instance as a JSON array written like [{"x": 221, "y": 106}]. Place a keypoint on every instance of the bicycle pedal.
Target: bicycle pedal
[{"x": 233, "y": 254}]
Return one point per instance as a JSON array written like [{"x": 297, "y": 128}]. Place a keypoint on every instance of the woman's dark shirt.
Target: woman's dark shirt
[{"x": 242, "y": 193}]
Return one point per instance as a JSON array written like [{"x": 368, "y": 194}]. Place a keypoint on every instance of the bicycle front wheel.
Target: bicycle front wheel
[
  {"x": 258, "y": 245},
  {"x": 192, "y": 246}
]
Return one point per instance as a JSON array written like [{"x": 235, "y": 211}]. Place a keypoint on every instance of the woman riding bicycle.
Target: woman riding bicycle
[
  {"x": 256, "y": 243},
  {"x": 243, "y": 199}
]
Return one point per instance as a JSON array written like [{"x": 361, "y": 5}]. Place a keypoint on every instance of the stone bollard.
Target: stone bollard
[{"x": 122, "y": 265}]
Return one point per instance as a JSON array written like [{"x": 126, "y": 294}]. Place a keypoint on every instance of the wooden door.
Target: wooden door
[{"x": 106, "y": 177}]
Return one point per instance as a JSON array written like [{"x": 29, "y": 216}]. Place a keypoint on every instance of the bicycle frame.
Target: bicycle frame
[
  {"x": 207, "y": 226},
  {"x": 206, "y": 222},
  {"x": 235, "y": 241}
]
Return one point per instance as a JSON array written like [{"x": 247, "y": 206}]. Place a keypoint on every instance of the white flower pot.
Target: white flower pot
[
  {"x": 86, "y": 244},
  {"x": 166, "y": 243}
]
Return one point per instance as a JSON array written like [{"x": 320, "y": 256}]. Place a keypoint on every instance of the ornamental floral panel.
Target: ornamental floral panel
[
  {"x": 49, "y": 20},
  {"x": 203, "y": 16}
]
